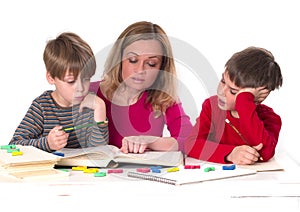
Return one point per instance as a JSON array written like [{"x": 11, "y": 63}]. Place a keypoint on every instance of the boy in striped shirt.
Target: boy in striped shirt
[{"x": 70, "y": 63}]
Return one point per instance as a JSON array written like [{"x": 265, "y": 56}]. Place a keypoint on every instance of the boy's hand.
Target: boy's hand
[
  {"x": 260, "y": 94},
  {"x": 245, "y": 155},
  {"x": 95, "y": 103},
  {"x": 57, "y": 138}
]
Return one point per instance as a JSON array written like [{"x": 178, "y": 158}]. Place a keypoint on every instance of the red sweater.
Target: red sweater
[{"x": 212, "y": 139}]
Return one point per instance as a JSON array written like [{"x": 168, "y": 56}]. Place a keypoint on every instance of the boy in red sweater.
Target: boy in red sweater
[{"x": 233, "y": 126}]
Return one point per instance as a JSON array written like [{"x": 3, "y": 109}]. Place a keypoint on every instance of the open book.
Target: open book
[{"x": 111, "y": 156}]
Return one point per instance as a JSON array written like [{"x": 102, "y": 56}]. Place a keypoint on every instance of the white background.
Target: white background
[{"x": 216, "y": 28}]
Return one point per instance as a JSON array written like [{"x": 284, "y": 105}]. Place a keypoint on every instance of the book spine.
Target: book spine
[{"x": 151, "y": 178}]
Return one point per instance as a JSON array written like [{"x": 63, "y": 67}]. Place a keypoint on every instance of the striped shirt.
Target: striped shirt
[{"x": 44, "y": 114}]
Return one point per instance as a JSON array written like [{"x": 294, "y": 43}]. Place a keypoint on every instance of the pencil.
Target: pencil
[
  {"x": 240, "y": 134},
  {"x": 236, "y": 130},
  {"x": 68, "y": 129}
]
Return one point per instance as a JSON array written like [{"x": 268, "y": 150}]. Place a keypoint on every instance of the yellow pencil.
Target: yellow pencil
[{"x": 240, "y": 134}]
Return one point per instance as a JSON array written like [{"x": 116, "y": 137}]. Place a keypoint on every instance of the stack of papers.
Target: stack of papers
[{"x": 29, "y": 162}]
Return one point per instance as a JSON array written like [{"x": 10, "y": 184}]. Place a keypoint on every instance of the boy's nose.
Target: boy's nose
[
  {"x": 79, "y": 85},
  {"x": 221, "y": 90}
]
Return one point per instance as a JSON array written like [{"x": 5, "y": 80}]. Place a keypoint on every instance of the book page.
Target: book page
[
  {"x": 99, "y": 156},
  {"x": 173, "y": 158},
  {"x": 42, "y": 174},
  {"x": 97, "y": 152},
  {"x": 271, "y": 165},
  {"x": 102, "y": 156},
  {"x": 31, "y": 155}
]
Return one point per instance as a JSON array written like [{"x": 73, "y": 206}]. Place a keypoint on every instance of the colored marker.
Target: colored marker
[
  {"x": 115, "y": 171},
  {"x": 174, "y": 169},
  {"x": 13, "y": 150},
  {"x": 79, "y": 168},
  {"x": 192, "y": 166},
  {"x": 69, "y": 129},
  {"x": 100, "y": 174},
  {"x": 208, "y": 169},
  {"x": 16, "y": 153},
  {"x": 59, "y": 154},
  {"x": 90, "y": 170},
  {"x": 143, "y": 170},
  {"x": 230, "y": 167},
  {"x": 11, "y": 146}
]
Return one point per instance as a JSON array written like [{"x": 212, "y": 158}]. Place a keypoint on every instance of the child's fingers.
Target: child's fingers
[
  {"x": 258, "y": 147},
  {"x": 88, "y": 102}
]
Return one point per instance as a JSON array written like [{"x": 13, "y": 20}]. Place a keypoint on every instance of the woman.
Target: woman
[{"x": 139, "y": 89}]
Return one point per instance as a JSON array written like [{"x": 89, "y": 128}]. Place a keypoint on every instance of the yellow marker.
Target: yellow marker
[
  {"x": 79, "y": 168},
  {"x": 16, "y": 153},
  {"x": 174, "y": 169},
  {"x": 90, "y": 170}
]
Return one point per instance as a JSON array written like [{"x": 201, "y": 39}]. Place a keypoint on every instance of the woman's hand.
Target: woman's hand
[{"x": 138, "y": 144}]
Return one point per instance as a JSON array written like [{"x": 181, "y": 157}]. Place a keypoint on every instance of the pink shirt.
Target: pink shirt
[{"x": 138, "y": 119}]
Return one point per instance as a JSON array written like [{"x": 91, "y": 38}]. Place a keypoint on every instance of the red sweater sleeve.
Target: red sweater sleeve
[
  {"x": 204, "y": 140},
  {"x": 258, "y": 124}
]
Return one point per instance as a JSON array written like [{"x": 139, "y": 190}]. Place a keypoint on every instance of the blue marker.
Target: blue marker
[
  {"x": 59, "y": 154},
  {"x": 230, "y": 167}
]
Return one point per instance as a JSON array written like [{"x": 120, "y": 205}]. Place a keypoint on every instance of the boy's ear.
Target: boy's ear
[{"x": 50, "y": 80}]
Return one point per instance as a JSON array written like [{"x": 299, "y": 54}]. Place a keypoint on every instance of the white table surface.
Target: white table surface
[{"x": 264, "y": 191}]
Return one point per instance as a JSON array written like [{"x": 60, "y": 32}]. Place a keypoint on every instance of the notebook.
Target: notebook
[
  {"x": 109, "y": 156},
  {"x": 188, "y": 176},
  {"x": 271, "y": 165}
]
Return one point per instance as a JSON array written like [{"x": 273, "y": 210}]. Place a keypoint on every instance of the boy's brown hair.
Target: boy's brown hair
[
  {"x": 69, "y": 52},
  {"x": 254, "y": 67}
]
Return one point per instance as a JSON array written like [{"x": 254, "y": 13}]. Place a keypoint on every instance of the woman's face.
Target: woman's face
[{"x": 141, "y": 64}]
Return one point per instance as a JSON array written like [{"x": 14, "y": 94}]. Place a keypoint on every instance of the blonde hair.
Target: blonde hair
[{"x": 162, "y": 93}]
